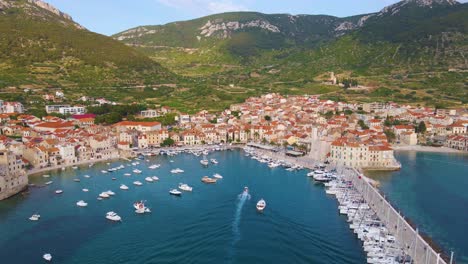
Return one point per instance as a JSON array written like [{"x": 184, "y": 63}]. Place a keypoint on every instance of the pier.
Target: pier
[{"x": 414, "y": 244}]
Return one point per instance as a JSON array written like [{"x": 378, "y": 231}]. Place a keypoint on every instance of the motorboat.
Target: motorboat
[
  {"x": 154, "y": 166},
  {"x": 217, "y": 176},
  {"x": 214, "y": 161},
  {"x": 49, "y": 182},
  {"x": 35, "y": 217},
  {"x": 137, "y": 183},
  {"x": 76, "y": 180},
  {"x": 104, "y": 171},
  {"x": 204, "y": 162},
  {"x": 74, "y": 167},
  {"x": 59, "y": 191},
  {"x": 176, "y": 171},
  {"x": 127, "y": 174},
  {"x": 85, "y": 190},
  {"x": 110, "y": 193},
  {"x": 155, "y": 178},
  {"x": 149, "y": 179},
  {"x": 175, "y": 192},
  {"x": 113, "y": 216},
  {"x": 140, "y": 208},
  {"x": 46, "y": 175},
  {"x": 104, "y": 195},
  {"x": 87, "y": 176},
  {"x": 47, "y": 257},
  {"x": 185, "y": 187},
  {"x": 261, "y": 205},
  {"x": 123, "y": 187},
  {"x": 137, "y": 171},
  {"x": 81, "y": 203},
  {"x": 246, "y": 190},
  {"x": 207, "y": 179}
]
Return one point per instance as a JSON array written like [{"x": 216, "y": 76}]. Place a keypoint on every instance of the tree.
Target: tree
[
  {"x": 421, "y": 127},
  {"x": 328, "y": 114},
  {"x": 167, "y": 142},
  {"x": 268, "y": 118},
  {"x": 362, "y": 124},
  {"x": 390, "y": 135}
]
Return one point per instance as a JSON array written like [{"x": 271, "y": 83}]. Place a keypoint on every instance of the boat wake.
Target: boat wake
[{"x": 243, "y": 197}]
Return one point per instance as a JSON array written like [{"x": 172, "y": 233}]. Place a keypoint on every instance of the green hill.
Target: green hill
[
  {"x": 417, "y": 49},
  {"x": 41, "y": 46}
]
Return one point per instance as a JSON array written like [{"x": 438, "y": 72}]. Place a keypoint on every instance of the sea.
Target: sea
[
  {"x": 431, "y": 189},
  {"x": 212, "y": 224}
]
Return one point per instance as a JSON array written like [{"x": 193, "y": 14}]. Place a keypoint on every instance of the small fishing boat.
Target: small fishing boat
[
  {"x": 85, "y": 190},
  {"x": 175, "y": 192},
  {"x": 104, "y": 195},
  {"x": 59, "y": 191},
  {"x": 114, "y": 179},
  {"x": 137, "y": 183},
  {"x": 127, "y": 174},
  {"x": 261, "y": 205},
  {"x": 154, "y": 166},
  {"x": 47, "y": 257},
  {"x": 81, "y": 203},
  {"x": 46, "y": 175},
  {"x": 207, "y": 179},
  {"x": 76, "y": 180},
  {"x": 204, "y": 162},
  {"x": 176, "y": 171},
  {"x": 214, "y": 161},
  {"x": 87, "y": 176},
  {"x": 104, "y": 171},
  {"x": 74, "y": 167},
  {"x": 111, "y": 193},
  {"x": 137, "y": 171},
  {"x": 217, "y": 176},
  {"x": 123, "y": 187},
  {"x": 185, "y": 187},
  {"x": 155, "y": 178},
  {"x": 113, "y": 216},
  {"x": 35, "y": 217},
  {"x": 48, "y": 183}
]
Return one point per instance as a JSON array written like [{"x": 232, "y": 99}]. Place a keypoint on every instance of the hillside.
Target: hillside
[
  {"x": 413, "y": 51},
  {"x": 42, "y": 46}
]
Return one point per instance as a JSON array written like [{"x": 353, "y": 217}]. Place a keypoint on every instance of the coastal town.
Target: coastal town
[{"x": 361, "y": 136}]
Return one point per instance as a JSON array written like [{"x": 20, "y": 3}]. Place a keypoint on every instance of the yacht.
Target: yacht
[
  {"x": 185, "y": 187},
  {"x": 110, "y": 193},
  {"x": 113, "y": 216},
  {"x": 149, "y": 179},
  {"x": 123, "y": 187},
  {"x": 81, "y": 203},
  {"x": 175, "y": 192},
  {"x": 137, "y": 183},
  {"x": 176, "y": 171},
  {"x": 217, "y": 176},
  {"x": 35, "y": 217},
  {"x": 104, "y": 195},
  {"x": 214, "y": 161},
  {"x": 204, "y": 162},
  {"x": 207, "y": 179},
  {"x": 137, "y": 171},
  {"x": 85, "y": 190},
  {"x": 261, "y": 205},
  {"x": 140, "y": 208},
  {"x": 47, "y": 257},
  {"x": 59, "y": 191}
]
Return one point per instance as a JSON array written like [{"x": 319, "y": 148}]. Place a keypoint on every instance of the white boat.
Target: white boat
[
  {"x": 46, "y": 175},
  {"x": 149, "y": 179},
  {"x": 85, "y": 190},
  {"x": 137, "y": 171},
  {"x": 204, "y": 162},
  {"x": 48, "y": 183},
  {"x": 155, "y": 178},
  {"x": 175, "y": 192},
  {"x": 217, "y": 176},
  {"x": 76, "y": 180},
  {"x": 140, "y": 208},
  {"x": 87, "y": 176},
  {"x": 176, "y": 171},
  {"x": 104, "y": 195},
  {"x": 104, "y": 171},
  {"x": 59, "y": 191},
  {"x": 81, "y": 203},
  {"x": 113, "y": 216},
  {"x": 111, "y": 193},
  {"x": 137, "y": 183},
  {"x": 261, "y": 205},
  {"x": 127, "y": 174},
  {"x": 214, "y": 161},
  {"x": 35, "y": 217},
  {"x": 154, "y": 166},
  {"x": 75, "y": 167},
  {"x": 47, "y": 257},
  {"x": 123, "y": 187},
  {"x": 185, "y": 187}
]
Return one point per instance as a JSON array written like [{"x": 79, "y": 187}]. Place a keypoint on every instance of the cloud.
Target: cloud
[{"x": 205, "y": 6}]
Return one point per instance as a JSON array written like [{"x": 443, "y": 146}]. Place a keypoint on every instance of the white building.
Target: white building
[
  {"x": 11, "y": 107},
  {"x": 74, "y": 110},
  {"x": 149, "y": 113}
]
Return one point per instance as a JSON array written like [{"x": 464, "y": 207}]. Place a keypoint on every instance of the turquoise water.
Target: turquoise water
[
  {"x": 432, "y": 190},
  {"x": 212, "y": 224}
]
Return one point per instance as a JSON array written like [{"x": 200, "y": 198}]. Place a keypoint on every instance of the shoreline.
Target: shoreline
[
  {"x": 419, "y": 148},
  {"x": 59, "y": 167}
]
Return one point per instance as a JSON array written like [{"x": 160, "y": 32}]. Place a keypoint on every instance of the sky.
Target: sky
[{"x": 112, "y": 16}]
